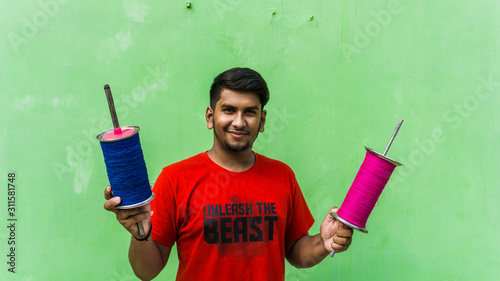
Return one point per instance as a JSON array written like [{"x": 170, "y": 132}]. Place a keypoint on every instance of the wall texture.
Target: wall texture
[{"x": 341, "y": 74}]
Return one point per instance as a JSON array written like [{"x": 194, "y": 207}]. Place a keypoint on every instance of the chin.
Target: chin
[{"x": 238, "y": 148}]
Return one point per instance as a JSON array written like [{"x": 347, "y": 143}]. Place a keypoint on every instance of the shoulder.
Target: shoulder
[
  {"x": 273, "y": 164},
  {"x": 182, "y": 172},
  {"x": 186, "y": 166},
  {"x": 198, "y": 159}
]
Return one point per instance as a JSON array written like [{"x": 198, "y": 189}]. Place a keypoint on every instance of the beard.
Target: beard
[{"x": 235, "y": 148}]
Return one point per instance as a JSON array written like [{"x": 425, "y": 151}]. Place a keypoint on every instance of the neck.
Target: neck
[{"x": 232, "y": 161}]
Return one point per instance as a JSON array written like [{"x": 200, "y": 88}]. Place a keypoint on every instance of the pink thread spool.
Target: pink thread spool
[{"x": 367, "y": 187}]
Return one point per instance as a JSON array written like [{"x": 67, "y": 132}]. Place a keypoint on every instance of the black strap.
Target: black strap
[{"x": 145, "y": 237}]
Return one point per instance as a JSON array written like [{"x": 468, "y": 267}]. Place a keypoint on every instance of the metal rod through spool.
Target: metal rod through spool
[
  {"x": 353, "y": 226},
  {"x": 393, "y": 136},
  {"x": 116, "y": 126}
]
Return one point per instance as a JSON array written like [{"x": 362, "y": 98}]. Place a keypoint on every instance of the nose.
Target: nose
[{"x": 239, "y": 120}]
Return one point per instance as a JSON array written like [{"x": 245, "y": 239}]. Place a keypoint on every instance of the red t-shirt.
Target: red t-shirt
[{"x": 229, "y": 225}]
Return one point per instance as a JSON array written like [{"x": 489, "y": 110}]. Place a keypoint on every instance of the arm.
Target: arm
[
  {"x": 310, "y": 250},
  {"x": 148, "y": 257}
]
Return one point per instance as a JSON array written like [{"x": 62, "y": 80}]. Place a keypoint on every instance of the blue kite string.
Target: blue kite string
[{"x": 126, "y": 170}]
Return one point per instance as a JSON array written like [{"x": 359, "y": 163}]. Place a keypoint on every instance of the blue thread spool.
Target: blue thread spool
[
  {"x": 125, "y": 164},
  {"x": 126, "y": 167}
]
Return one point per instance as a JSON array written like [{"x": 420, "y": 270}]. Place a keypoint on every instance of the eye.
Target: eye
[{"x": 228, "y": 110}]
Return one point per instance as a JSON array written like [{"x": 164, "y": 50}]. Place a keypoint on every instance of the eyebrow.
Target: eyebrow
[{"x": 256, "y": 107}]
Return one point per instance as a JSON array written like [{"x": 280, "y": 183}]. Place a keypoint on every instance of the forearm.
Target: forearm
[
  {"x": 307, "y": 252},
  {"x": 145, "y": 258}
]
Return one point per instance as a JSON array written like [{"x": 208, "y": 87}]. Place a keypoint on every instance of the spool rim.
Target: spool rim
[
  {"x": 100, "y": 137},
  {"x": 353, "y": 226},
  {"x": 380, "y": 155},
  {"x": 137, "y": 204}
]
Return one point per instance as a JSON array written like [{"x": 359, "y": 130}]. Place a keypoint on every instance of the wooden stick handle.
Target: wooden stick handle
[{"x": 111, "y": 104}]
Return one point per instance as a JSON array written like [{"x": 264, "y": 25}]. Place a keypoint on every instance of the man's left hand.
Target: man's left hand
[{"x": 335, "y": 235}]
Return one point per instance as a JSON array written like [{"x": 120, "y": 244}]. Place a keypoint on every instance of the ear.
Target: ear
[
  {"x": 209, "y": 116},
  {"x": 262, "y": 121}
]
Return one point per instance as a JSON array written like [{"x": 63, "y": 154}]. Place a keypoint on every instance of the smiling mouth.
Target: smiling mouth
[{"x": 238, "y": 134}]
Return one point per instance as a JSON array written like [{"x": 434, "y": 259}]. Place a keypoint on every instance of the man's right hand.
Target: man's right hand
[{"x": 129, "y": 217}]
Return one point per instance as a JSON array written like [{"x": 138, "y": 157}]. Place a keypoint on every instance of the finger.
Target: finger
[
  {"x": 122, "y": 214},
  {"x": 134, "y": 212},
  {"x": 342, "y": 245},
  {"x": 112, "y": 203},
  {"x": 142, "y": 216},
  {"x": 345, "y": 232},
  {"x": 338, "y": 248},
  {"x": 341, "y": 241},
  {"x": 125, "y": 214},
  {"x": 332, "y": 210},
  {"x": 329, "y": 217},
  {"x": 107, "y": 193},
  {"x": 131, "y": 222},
  {"x": 146, "y": 207}
]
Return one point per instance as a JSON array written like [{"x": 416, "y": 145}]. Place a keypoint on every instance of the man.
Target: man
[{"x": 234, "y": 214}]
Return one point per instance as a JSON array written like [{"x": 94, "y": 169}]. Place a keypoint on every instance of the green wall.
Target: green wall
[{"x": 341, "y": 75}]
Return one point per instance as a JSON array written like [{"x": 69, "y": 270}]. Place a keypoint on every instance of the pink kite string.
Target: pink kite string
[{"x": 366, "y": 189}]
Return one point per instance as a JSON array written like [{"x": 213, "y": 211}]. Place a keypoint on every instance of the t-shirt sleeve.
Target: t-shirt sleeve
[
  {"x": 164, "y": 219},
  {"x": 301, "y": 219}
]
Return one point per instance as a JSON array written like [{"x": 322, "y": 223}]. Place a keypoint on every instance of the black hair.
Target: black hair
[{"x": 242, "y": 80}]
